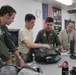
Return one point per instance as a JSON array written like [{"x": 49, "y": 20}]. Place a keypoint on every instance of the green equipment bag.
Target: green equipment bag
[{"x": 47, "y": 56}]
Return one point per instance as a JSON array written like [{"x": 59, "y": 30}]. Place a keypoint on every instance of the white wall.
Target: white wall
[
  {"x": 67, "y": 16},
  {"x": 23, "y": 7}
]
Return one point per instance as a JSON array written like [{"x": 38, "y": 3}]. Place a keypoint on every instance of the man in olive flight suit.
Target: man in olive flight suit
[
  {"x": 48, "y": 35},
  {"x": 7, "y": 15}
]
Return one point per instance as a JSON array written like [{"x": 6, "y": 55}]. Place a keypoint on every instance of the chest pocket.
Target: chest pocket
[{"x": 48, "y": 38}]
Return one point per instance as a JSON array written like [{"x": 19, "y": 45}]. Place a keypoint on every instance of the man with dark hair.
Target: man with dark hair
[
  {"x": 7, "y": 15},
  {"x": 26, "y": 36},
  {"x": 48, "y": 35},
  {"x": 66, "y": 36}
]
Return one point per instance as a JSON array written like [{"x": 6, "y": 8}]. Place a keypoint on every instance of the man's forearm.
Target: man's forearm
[
  {"x": 17, "y": 54},
  {"x": 21, "y": 61}
]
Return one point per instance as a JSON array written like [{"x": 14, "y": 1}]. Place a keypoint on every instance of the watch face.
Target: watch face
[{"x": 38, "y": 13}]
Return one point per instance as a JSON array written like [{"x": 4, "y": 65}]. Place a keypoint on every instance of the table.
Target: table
[{"x": 53, "y": 69}]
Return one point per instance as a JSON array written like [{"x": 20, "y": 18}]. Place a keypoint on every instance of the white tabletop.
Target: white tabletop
[{"x": 53, "y": 69}]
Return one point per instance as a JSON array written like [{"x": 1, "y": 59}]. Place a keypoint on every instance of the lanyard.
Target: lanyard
[
  {"x": 68, "y": 34},
  {"x": 68, "y": 37}
]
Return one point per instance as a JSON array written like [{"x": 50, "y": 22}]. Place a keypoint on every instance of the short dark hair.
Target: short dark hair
[
  {"x": 49, "y": 19},
  {"x": 29, "y": 17},
  {"x": 7, "y": 9}
]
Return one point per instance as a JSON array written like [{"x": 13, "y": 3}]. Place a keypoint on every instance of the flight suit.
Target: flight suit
[
  {"x": 5, "y": 43},
  {"x": 48, "y": 38}
]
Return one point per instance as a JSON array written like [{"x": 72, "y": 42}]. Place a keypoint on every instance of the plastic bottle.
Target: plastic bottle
[{"x": 65, "y": 69}]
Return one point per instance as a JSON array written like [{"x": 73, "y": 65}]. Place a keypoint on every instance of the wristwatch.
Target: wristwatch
[{"x": 19, "y": 57}]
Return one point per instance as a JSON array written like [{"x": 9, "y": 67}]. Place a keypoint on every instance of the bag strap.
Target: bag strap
[
  {"x": 28, "y": 67},
  {"x": 7, "y": 65}
]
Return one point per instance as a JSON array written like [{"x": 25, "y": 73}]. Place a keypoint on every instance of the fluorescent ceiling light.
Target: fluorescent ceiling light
[{"x": 66, "y": 2}]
